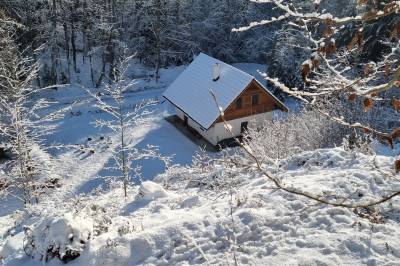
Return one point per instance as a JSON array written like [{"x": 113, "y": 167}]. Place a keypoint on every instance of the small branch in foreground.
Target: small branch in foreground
[
  {"x": 299, "y": 95},
  {"x": 305, "y": 194}
]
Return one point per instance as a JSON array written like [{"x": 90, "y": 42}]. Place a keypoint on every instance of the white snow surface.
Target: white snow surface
[
  {"x": 179, "y": 225},
  {"x": 270, "y": 227}
]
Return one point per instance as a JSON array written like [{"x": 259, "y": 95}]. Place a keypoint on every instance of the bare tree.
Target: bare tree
[
  {"x": 124, "y": 118},
  {"x": 23, "y": 126}
]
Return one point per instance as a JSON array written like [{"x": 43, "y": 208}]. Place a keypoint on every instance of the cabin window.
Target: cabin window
[
  {"x": 239, "y": 103},
  {"x": 254, "y": 99}
]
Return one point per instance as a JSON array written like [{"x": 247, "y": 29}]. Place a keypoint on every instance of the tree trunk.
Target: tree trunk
[
  {"x": 157, "y": 33},
  {"x": 67, "y": 48},
  {"x": 103, "y": 70},
  {"x": 53, "y": 71},
  {"x": 73, "y": 44}
]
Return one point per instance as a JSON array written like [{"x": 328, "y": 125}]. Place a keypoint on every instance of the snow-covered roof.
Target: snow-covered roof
[{"x": 190, "y": 92}]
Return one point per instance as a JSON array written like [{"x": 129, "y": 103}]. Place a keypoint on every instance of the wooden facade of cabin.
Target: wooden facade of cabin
[{"x": 252, "y": 101}]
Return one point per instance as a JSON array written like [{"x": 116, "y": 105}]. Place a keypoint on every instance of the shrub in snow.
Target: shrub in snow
[
  {"x": 149, "y": 191},
  {"x": 207, "y": 174},
  {"x": 60, "y": 237},
  {"x": 298, "y": 132},
  {"x": 358, "y": 143}
]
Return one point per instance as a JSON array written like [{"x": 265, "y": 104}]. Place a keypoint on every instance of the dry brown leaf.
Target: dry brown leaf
[
  {"x": 397, "y": 166},
  {"x": 305, "y": 70},
  {"x": 366, "y": 130},
  {"x": 358, "y": 39},
  {"x": 328, "y": 31},
  {"x": 387, "y": 70},
  {"x": 315, "y": 62},
  {"x": 395, "y": 33},
  {"x": 391, "y": 7},
  {"x": 352, "y": 43},
  {"x": 362, "y": 2},
  {"x": 395, "y": 134},
  {"x": 368, "y": 69},
  {"x": 389, "y": 141},
  {"x": 352, "y": 97},
  {"x": 396, "y": 104},
  {"x": 330, "y": 48},
  {"x": 370, "y": 15},
  {"x": 368, "y": 104}
]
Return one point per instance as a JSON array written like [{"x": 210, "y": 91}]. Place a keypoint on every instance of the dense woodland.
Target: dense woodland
[
  {"x": 336, "y": 63},
  {"x": 65, "y": 33}
]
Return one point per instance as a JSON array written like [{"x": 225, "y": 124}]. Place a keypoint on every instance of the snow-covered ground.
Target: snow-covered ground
[
  {"x": 179, "y": 225},
  {"x": 154, "y": 226}
]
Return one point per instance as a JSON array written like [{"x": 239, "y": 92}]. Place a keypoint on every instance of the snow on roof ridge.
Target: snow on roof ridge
[
  {"x": 264, "y": 87},
  {"x": 226, "y": 64}
]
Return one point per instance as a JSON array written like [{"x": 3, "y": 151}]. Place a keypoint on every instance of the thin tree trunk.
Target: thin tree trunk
[
  {"x": 122, "y": 136},
  {"x": 53, "y": 71},
  {"x": 103, "y": 70},
  {"x": 157, "y": 33},
  {"x": 66, "y": 38},
  {"x": 110, "y": 46},
  {"x": 111, "y": 57},
  {"x": 91, "y": 70},
  {"x": 73, "y": 44},
  {"x": 67, "y": 48}
]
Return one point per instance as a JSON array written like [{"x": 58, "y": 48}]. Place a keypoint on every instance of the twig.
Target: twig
[{"x": 293, "y": 190}]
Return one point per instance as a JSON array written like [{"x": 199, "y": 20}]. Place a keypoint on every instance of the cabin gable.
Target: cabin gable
[{"x": 253, "y": 100}]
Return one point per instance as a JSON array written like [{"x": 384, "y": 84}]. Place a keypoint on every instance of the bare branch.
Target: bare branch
[{"x": 294, "y": 191}]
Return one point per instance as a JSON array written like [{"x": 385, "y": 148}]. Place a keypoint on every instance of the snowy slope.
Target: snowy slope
[
  {"x": 179, "y": 225},
  {"x": 189, "y": 226}
]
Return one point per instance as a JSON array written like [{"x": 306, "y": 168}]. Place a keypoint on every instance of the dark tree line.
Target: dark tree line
[{"x": 65, "y": 34}]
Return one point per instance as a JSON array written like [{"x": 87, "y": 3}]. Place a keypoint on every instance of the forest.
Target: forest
[{"x": 93, "y": 171}]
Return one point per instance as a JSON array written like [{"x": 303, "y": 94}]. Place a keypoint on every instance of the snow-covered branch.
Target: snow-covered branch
[{"x": 292, "y": 190}]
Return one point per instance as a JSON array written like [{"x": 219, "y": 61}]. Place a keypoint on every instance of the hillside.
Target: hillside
[
  {"x": 175, "y": 222},
  {"x": 199, "y": 132}
]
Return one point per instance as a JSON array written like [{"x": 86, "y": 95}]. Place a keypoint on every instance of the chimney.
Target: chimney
[{"x": 216, "y": 71}]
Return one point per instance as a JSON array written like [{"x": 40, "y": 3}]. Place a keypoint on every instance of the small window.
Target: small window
[
  {"x": 239, "y": 103},
  {"x": 254, "y": 99}
]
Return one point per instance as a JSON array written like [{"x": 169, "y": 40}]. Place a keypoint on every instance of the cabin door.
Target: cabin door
[
  {"x": 243, "y": 127},
  {"x": 185, "y": 120}
]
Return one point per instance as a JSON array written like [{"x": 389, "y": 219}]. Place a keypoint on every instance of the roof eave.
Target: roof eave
[
  {"x": 205, "y": 127},
  {"x": 282, "y": 105}
]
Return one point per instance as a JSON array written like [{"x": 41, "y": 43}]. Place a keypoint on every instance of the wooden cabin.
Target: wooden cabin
[{"x": 241, "y": 97}]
